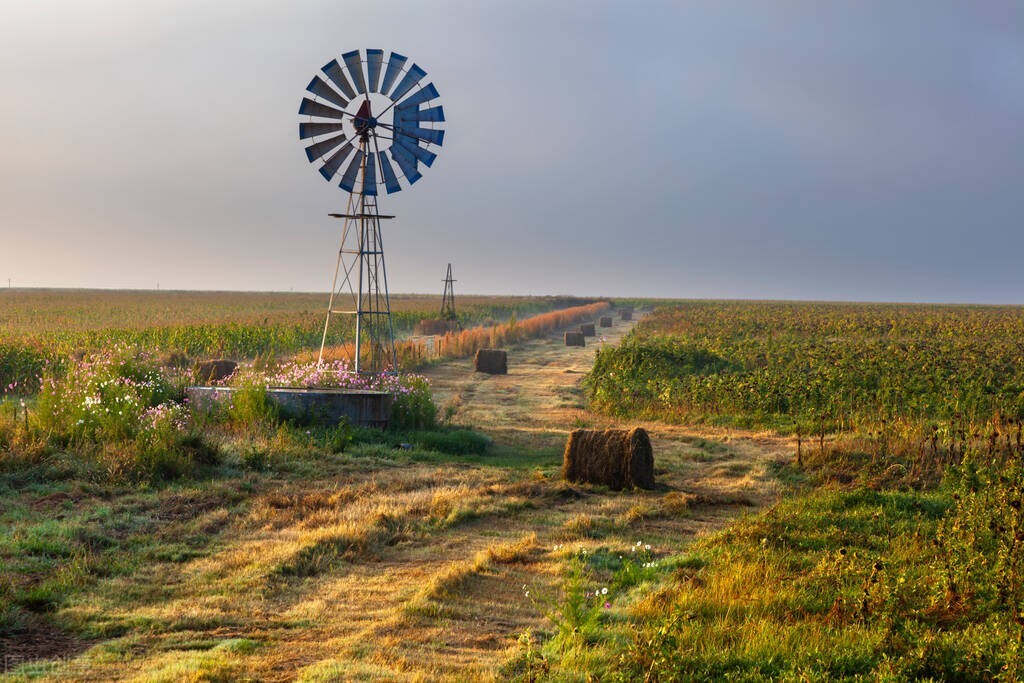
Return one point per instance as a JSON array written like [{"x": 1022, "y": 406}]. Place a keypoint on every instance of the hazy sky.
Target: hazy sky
[{"x": 814, "y": 150}]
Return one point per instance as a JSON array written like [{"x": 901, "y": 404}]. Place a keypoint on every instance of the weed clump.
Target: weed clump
[{"x": 117, "y": 412}]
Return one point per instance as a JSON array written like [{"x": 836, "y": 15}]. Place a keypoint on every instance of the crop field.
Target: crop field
[
  {"x": 839, "y": 493},
  {"x": 902, "y": 557},
  {"x": 36, "y": 325},
  {"x": 792, "y": 365}
]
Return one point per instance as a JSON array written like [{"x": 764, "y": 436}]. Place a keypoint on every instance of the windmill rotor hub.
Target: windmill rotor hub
[{"x": 364, "y": 121}]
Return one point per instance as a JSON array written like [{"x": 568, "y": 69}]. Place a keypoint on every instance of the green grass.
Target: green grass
[
  {"x": 60, "y": 541},
  {"x": 837, "y": 583}
]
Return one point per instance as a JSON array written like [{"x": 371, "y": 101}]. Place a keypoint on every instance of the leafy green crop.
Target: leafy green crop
[{"x": 783, "y": 364}]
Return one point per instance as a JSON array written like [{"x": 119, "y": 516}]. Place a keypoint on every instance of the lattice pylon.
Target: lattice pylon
[{"x": 448, "y": 299}]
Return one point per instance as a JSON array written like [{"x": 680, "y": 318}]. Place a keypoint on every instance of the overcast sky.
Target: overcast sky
[{"x": 812, "y": 150}]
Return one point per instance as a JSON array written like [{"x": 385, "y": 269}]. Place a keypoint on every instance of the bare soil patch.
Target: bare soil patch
[{"x": 38, "y": 641}]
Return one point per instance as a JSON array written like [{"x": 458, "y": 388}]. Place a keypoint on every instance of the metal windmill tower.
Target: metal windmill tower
[
  {"x": 358, "y": 117},
  {"x": 448, "y": 300}
]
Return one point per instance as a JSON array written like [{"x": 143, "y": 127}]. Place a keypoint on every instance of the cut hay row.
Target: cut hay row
[
  {"x": 468, "y": 342},
  {"x": 413, "y": 353}
]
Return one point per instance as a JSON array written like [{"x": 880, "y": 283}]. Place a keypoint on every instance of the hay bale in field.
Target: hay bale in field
[
  {"x": 574, "y": 339},
  {"x": 616, "y": 458},
  {"x": 491, "y": 361},
  {"x": 175, "y": 359},
  {"x": 587, "y": 329},
  {"x": 214, "y": 370},
  {"x": 434, "y": 327},
  {"x": 605, "y": 321}
]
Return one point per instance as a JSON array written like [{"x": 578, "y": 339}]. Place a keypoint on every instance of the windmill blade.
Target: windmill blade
[
  {"x": 311, "y": 108},
  {"x": 370, "y": 177},
  {"x": 413, "y": 135},
  {"x": 395, "y": 64},
  {"x": 431, "y": 135},
  {"x": 405, "y": 118},
  {"x": 312, "y": 130},
  {"x": 355, "y": 68},
  {"x": 374, "y": 60},
  {"x": 334, "y": 162},
  {"x": 348, "y": 181},
  {"x": 407, "y": 124},
  {"x": 406, "y": 162},
  {"x": 422, "y": 95},
  {"x": 434, "y": 114},
  {"x": 414, "y": 76},
  {"x": 390, "y": 179},
  {"x": 411, "y": 146},
  {"x": 319, "y": 87},
  {"x": 321, "y": 148},
  {"x": 337, "y": 76}
]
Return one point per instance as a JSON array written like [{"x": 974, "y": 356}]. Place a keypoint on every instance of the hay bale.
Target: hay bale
[
  {"x": 434, "y": 327},
  {"x": 214, "y": 370},
  {"x": 616, "y": 458},
  {"x": 176, "y": 360},
  {"x": 491, "y": 361},
  {"x": 605, "y": 321},
  {"x": 587, "y": 329},
  {"x": 574, "y": 339}
]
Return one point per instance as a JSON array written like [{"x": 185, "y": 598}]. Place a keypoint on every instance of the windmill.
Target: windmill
[
  {"x": 448, "y": 301},
  {"x": 364, "y": 115}
]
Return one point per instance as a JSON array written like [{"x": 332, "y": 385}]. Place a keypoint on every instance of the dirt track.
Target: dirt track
[
  {"x": 541, "y": 400},
  {"x": 468, "y": 625}
]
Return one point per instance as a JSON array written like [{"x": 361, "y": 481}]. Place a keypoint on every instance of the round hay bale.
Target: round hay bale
[
  {"x": 616, "y": 458},
  {"x": 214, "y": 370},
  {"x": 587, "y": 329},
  {"x": 434, "y": 327},
  {"x": 491, "y": 361},
  {"x": 176, "y": 360},
  {"x": 574, "y": 339},
  {"x": 605, "y": 321}
]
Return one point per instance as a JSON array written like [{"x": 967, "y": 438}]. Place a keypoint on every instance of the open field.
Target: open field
[
  {"x": 31, "y": 313},
  {"x": 37, "y": 325},
  {"x": 371, "y": 563},
  {"x": 868, "y": 532}
]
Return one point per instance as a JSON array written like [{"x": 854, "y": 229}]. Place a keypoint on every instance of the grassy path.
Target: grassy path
[{"x": 364, "y": 567}]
